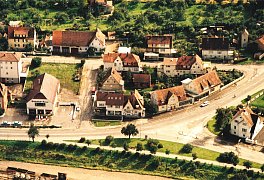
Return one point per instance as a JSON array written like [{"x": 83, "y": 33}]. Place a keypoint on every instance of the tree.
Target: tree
[
  {"x": 129, "y": 130},
  {"x": 108, "y": 140},
  {"x": 139, "y": 147},
  {"x": 47, "y": 136},
  {"x": 167, "y": 152},
  {"x": 240, "y": 176},
  {"x": 91, "y": 51},
  {"x": 228, "y": 157},
  {"x": 223, "y": 117},
  {"x": 36, "y": 62},
  {"x": 247, "y": 164},
  {"x": 187, "y": 148},
  {"x": 262, "y": 168},
  {"x": 33, "y": 132},
  {"x": 61, "y": 17},
  {"x": 194, "y": 155},
  {"x": 88, "y": 142}
]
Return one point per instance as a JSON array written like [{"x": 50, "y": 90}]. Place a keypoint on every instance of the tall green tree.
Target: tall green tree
[
  {"x": 223, "y": 117},
  {"x": 129, "y": 130},
  {"x": 33, "y": 132}
]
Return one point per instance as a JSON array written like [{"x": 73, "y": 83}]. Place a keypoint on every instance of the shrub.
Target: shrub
[
  {"x": 187, "y": 148},
  {"x": 113, "y": 145},
  {"x": 160, "y": 146},
  {"x": 247, "y": 164},
  {"x": 62, "y": 146},
  {"x": 152, "y": 145},
  {"x": 84, "y": 148},
  {"x": 82, "y": 140},
  {"x": 155, "y": 163},
  {"x": 240, "y": 176},
  {"x": 108, "y": 140},
  {"x": 194, "y": 155},
  {"x": 36, "y": 62},
  {"x": 228, "y": 157},
  {"x": 167, "y": 152},
  {"x": 139, "y": 147},
  {"x": 88, "y": 142},
  {"x": 43, "y": 144},
  {"x": 153, "y": 149},
  {"x": 126, "y": 146}
]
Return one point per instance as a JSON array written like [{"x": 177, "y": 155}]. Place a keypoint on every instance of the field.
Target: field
[
  {"x": 64, "y": 72},
  {"x": 106, "y": 123}
]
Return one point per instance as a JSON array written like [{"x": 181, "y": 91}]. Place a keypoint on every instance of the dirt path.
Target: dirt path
[{"x": 77, "y": 173}]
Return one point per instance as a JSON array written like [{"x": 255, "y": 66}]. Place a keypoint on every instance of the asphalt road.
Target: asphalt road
[{"x": 181, "y": 126}]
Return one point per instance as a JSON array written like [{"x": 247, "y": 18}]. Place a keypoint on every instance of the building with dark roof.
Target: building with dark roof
[
  {"x": 216, "y": 48},
  {"x": 43, "y": 96},
  {"x": 141, "y": 81},
  {"x": 76, "y": 42},
  {"x": 20, "y": 37},
  {"x": 119, "y": 105}
]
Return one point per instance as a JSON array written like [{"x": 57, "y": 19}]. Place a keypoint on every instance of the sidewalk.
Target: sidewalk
[{"x": 160, "y": 154}]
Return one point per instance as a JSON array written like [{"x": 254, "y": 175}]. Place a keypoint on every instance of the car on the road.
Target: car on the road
[{"x": 206, "y": 103}]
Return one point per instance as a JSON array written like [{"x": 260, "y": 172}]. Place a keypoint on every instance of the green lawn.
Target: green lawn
[
  {"x": 211, "y": 125},
  {"x": 259, "y": 102},
  {"x": 174, "y": 148},
  {"x": 106, "y": 123},
  {"x": 252, "y": 96},
  {"x": 64, "y": 72}
]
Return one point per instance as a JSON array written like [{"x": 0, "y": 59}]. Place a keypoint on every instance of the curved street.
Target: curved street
[{"x": 187, "y": 125}]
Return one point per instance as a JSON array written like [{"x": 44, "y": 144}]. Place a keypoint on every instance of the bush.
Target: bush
[
  {"x": 194, "y": 155},
  {"x": 88, "y": 142},
  {"x": 43, "y": 144},
  {"x": 82, "y": 140},
  {"x": 36, "y": 62},
  {"x": 167, "y": 152},
  {"x": 240, "y": 176},
  {"x": 139, "y": 147},
  {"x": 113, "y": 145},
  {"x": 126, "y": 146},
  {"x": 108, "y": 140},
  {"x": 153, "y": 149},
  {"x": 62, "y": 146},
  {"x": 160, "y": 146},
  {"x": 228, "y": 157},
  {"x": 152, "y": 145},
  {"x": 155, "y": 163},
  {"x": 187, "y": 148},
  {"x": 247, "y": 164}
]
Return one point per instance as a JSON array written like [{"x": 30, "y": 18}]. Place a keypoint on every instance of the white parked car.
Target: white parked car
[{"x": 205, "y": 103}]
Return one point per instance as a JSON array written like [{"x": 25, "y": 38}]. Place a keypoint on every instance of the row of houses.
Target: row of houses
[{"x": 190, "y": 91}]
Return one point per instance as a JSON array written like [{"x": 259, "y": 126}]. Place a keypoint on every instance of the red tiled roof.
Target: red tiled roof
[
  {"x": 116, "y": 99},
  {"x": 10, "y": 56},
  {"x": 163, "y": 95},
  {"x": 76, "y": 38},
  {"x": 246, "y": 113},
  {"x": 128, "y": 59},
  {"x": 260, "y": 42},
  {"x": 141, "y": 78},
  {"x": 206, "y": 81},
  {"x": 186, "y": 62},
  {"x": 159, "y": 39},
  {"x": 22, "y": 30},
  {"x": 45, "y": 86}
]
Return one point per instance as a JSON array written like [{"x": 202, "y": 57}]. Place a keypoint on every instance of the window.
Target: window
[
  {"x": 10, "y": 62},
  {"x": 117, "y": 106},
  {"x": 244, "y": 130},
  {"x": 234, "y": 127},
  {"x": 40, "y": 104},
  {"x": 11, "y": 67},
  {"x": 234, "y": 132},
  {"x": 6, "y": 73}
]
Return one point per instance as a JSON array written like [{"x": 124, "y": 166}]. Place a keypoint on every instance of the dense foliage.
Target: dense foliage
[{"x": 54, "y": 153}]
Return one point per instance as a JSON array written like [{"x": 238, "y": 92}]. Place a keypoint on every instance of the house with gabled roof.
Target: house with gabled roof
[
  {"x": 43, "y": 97},
  {"x": 203, "y": 85},
  {"x": 183, "y": 65},
  {"x": 246, "y": 124},
  {"x": 112, "y": 81},
  {"x": 170, "y": 98},
  {"x": 216, "y": 48},
  {"x": 11, "y": 67},
  {"x": 122, "y": 62},
  {"x": 119, "y": 105},
  {"x": 77, "y": 42},
  {"x": 20, "y": 37}
]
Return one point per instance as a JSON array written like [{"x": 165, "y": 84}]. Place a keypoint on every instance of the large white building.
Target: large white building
[
  {"x": 246, "y": 124},
  {"x": 43, "y": 97},
  {"x": 11, "y": 67}
]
